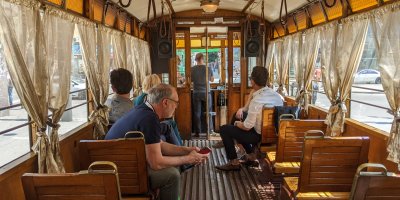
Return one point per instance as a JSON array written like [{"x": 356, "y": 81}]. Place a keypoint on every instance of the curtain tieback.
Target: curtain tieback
[
  {"x": 40, "y": 135},
  {"x": 100, "y": 114},
  {"x": 50, "y": 123}
]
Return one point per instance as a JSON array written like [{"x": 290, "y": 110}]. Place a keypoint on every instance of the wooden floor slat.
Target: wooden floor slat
[{"x": 205, "y": 182}]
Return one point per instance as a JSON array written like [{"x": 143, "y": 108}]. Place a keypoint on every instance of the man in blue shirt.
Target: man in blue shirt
[{"x": 162, "y": 157}]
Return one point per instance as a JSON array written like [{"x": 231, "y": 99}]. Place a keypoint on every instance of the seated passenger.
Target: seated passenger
[
  {"x": 121, "y": 84},
  {"x": 162, "y": 158},
  {"x": 248, "y": 132},
  {"x": 148, "y": 82}
]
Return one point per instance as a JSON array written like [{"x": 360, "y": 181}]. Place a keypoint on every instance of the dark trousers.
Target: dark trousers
[
  {"x": 199, "y": 101},
  {"x": 247, "y": 139}
]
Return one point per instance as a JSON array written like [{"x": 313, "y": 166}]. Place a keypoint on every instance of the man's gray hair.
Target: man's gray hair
[{"x": 159, "y": 92}]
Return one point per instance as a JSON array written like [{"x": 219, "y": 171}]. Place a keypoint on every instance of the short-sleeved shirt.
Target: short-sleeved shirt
[
  {"x": 118, "y": 107},
  {"x": 141, "y": 118},
  {"x": 198, "y": 73},
  {"x": 262, "y": 97}
]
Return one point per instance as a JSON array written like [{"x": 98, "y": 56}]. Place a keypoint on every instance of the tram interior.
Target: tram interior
[{"x": 335, "y": 61}]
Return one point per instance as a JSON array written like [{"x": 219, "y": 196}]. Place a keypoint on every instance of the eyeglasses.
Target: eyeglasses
[{"x": 177, "y": 102}]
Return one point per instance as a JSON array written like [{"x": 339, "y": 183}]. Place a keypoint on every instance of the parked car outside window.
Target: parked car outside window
[{"x": 368, "y": 76}]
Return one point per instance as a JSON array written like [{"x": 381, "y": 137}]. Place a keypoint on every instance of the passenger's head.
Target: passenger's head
[
  {"x": 199, "y": 58},
  {"x": 259, "y": 76},
  {"x": 164, "y": 98},
  {"x": 121, "y": 81},
  {"x": 150, "y": 81}
]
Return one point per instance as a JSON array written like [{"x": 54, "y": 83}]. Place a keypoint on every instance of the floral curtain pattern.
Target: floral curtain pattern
[
  {"x": 96, "y": 70},
  {"x": 294, "y": 58},
  {"x": 386, "y": 28},
  {"x": 308, "y": 56},
  {"x": 118, "y": 49}
]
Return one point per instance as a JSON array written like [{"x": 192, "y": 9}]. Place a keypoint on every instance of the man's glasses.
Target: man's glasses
[{"x": 177, "y": 102}]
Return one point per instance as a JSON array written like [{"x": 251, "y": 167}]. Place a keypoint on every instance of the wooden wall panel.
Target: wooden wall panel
[
  {"x": 10, "y": 175},
  {"x": 183, "y": 114},
  {"x": 233, "y": 101}
]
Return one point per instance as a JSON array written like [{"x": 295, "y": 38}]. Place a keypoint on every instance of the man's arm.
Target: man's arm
[
  {"x": 157, "y": 161},
  {"x": 173, "y": 150}
]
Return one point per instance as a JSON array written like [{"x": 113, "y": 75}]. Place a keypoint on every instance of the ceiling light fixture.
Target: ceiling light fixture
[{"x": 209, "y": 6}]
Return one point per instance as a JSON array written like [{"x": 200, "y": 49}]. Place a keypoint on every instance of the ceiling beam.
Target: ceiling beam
[
  {"x": 247, "y": 5},
  {"x": 170, "y": 7}
]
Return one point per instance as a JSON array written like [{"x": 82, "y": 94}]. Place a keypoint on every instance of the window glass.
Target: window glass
[
  {"x": 251, "y": 62},
  {"x": 292, "y": 80},
  {"x": 318, "y": 96},
  {"x": 77, "y": 116},
  {"x": 180, "y": 62},
  {"x": 165, "y": 78},
  {"x": 13, "y": 143},
  {"x": 367, "y": 88},
  {"x": 236, "y": 65}
]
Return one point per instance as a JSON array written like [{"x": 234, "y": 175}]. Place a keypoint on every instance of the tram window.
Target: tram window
[
  {"x": 77, "y": 116},
  {"x": 251, "y": 62},
  {"x": 165, "y": 78},
  {"x": 15, "y": 142},
  {"x": 180, "y": 64},
  {"x": 236, "y": 65},
  {"x": 367, "y": 89},
  {"x": 214, "y": 61}
]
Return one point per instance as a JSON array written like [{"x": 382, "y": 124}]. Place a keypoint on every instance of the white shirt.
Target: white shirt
[{"x": 262, "y": 97}]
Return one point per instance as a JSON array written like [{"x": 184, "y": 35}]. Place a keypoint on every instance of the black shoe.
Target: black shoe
[
  {"x": 228, "y": 167},
  {"x": 251, "y": 163}
]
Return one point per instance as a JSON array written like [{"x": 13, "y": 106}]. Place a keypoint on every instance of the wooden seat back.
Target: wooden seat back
[
  {"x": 268, "y": 135},
  {"x": 129, "y": 156},
  {"x": 375, "y": 185},
  {"x": 291, "y": 138},
  {"x": 329, "y": 164},
  {"x": 85, "y": 185}
]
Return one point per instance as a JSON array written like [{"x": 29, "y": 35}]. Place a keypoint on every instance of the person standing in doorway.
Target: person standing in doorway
[{"x": 198, "y": 75}]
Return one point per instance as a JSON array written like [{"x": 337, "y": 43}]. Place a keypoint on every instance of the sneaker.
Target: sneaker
[
  {"x": 214, "y": 134},
  {"x": 228, "y": 167},
  {"x": 218, "y": 145}
]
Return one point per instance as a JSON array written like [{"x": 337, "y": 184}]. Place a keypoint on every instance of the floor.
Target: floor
[{"x": 204, "y": 182}]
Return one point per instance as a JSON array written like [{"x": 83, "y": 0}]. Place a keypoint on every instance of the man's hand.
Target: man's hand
[
  {"x": 190, "y": 149},
  {"x": 197, "y": 158},
  {"x": 239, "y": 114}
]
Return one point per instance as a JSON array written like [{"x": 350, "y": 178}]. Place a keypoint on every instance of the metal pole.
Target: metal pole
[{"x": 207, "y": 88}]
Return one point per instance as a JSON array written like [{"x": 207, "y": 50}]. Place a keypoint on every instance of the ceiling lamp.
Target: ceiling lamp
[{"x": 209, "y": 6}]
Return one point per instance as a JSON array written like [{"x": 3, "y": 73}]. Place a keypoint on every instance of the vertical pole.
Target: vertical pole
[{"x": 207, "y": 88}]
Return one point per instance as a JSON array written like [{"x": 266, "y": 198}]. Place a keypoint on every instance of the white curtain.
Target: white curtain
[
  {"x": 342, "y": 51},
  {"x": 308, "y": 56},
  {"x": 119, "y": 50},
  {"x": 58, "y": 31},
  {"x": 283, "y": 68},
  {"x": 277, "y": 56},
  {"x": 294, "y": 58},
  {"x": 269, "y": 61},
  {"x": 37, "y": 60},
  {"x": 96, "y": 71},
  {"x": 386, "y": 27}
]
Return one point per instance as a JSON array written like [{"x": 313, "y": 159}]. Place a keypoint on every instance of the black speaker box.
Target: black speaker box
[
  {"x": 160, "y": 50},
  {"x": 164, "y": 48},
  {"x": 252, "y": 40}
]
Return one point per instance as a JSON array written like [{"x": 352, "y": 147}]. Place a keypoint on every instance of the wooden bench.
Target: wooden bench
[
  {"x": 327, "y": 168},
  {"x": 288, "y": 154},
  {"x": 375, "y": 185},
  {"x": 129, "y": 156},
  {"x": 268, "y": 135},
  {"x": 85, "y": 185}
]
